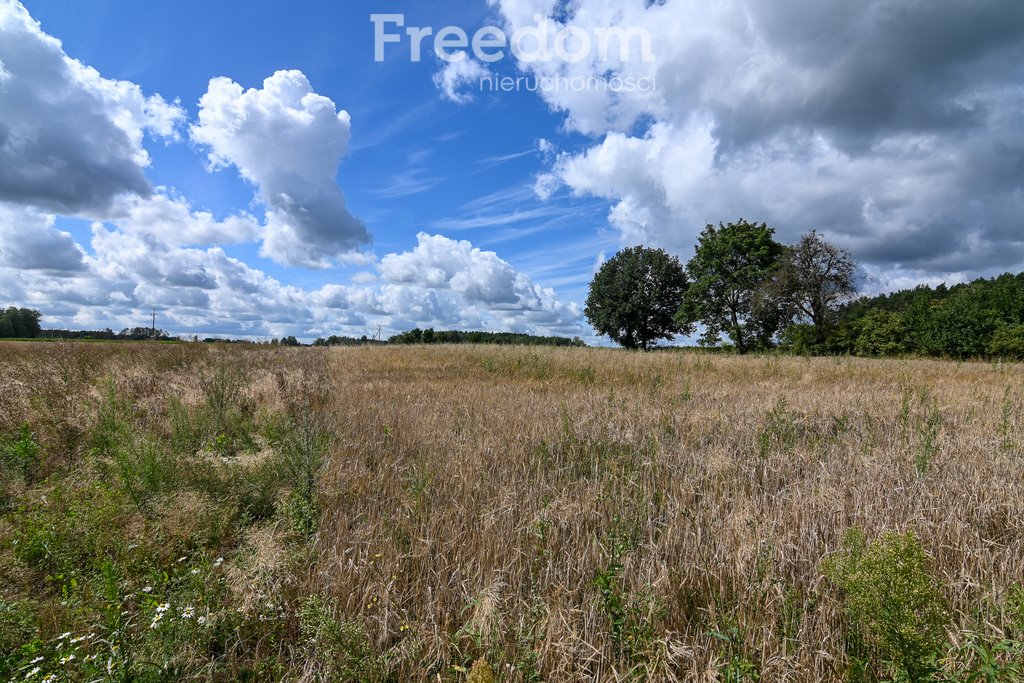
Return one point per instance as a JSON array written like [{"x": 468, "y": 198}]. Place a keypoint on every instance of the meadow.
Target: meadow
[{"x": 212, "y": 513}]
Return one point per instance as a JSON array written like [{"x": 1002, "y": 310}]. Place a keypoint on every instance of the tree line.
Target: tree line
[
  {"x": 431, "y": 336},
  {"x": 745, "y": 291},
  {"x": 107, "y": 334},
  {"x": 983, "y": 318}
]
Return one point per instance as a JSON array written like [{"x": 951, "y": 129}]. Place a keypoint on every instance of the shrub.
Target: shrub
[
  {"x": 892, "y": 599},
  {"x": 800, "y": 338},
  {"x": 1008, "y": 342},
  {"x": 881, "y": 333}
]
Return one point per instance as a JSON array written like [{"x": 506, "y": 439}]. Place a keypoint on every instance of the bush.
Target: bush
[
  {"x": 1008, "y": 342},
  {"x": 881, "y": 333},
  {"x": 799, "y": 338},
  {"x": 892, "y": 599}
]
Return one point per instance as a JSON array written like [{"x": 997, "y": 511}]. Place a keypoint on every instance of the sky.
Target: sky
[{"x": 259, "y": 169}]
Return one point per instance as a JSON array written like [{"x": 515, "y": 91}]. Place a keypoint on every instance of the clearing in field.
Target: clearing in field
[{"x": 190, "y": 512}]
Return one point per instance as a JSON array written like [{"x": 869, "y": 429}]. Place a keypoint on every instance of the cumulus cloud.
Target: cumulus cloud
[
  {"x": 288, "y": 141},
  {"x": 172, "y": 220},
  {"x": 479, "y": 278},
  {"x": 457, "y": 73},
  {"x": 892, "y": 126},
  {"x": 29, "y": 241},
  {"x": 441, "y": 283},
  {"x": 71, "y": 143},
  {"x": 70, "y": 140}
]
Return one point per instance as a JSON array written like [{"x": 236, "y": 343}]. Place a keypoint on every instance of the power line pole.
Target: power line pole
[{"x": 152, "y": 333}]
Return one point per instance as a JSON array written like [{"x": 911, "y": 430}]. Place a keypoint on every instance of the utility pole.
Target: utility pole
[{"x": 152, "y": 332}]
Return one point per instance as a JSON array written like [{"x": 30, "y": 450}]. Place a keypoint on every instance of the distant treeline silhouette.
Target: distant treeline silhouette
[
  {"x": 432, "y": 336},
  {"x": 107, "y": 334}
]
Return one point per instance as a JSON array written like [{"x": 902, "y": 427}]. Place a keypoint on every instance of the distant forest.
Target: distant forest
[
  {"x": 983, "y": 318},
  {"x": 429, "y": 336}
]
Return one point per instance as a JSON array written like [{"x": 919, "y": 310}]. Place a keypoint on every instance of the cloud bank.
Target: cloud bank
[
  {"x": 72, "y": 144},
  {"x": 894, "y": 126}
]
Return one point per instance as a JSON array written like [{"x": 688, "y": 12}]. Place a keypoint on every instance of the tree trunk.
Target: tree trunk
[{"x": 738, "y": 331}]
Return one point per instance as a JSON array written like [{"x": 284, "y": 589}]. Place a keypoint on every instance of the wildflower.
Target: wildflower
[
  {"x": 201, "y": 621},
  {"x": 147, "y": 589},
  {"x": 49, "y": 678},
  {"x": 182, "y": 559},
  {"x": 36, "y": 660},
  {"x": 194, "y": 572},
  {"x": 218, "y": 562},
  {"x": 158, "y": 617},
  {"x": 67, "y": 658},
  {"x": 188, "y": 612},
  {"x": 33, "y": 672},
  {"x": 65, "y": 635},
  {"x": 79, "y": 639}
]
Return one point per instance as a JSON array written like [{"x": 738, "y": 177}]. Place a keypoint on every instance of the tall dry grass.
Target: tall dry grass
[{"x": 576, "y": 514}]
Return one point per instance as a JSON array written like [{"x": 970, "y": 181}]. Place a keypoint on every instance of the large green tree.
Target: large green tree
[
  {"x": 728, "y": 273},
  {"x": 635, "y": 296},
  {"x": 20, "y": 322}
]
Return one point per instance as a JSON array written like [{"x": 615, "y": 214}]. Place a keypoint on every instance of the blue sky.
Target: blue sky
[{"x": 894, "y": 127}]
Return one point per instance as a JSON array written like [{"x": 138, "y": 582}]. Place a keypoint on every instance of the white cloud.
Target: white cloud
[
  {"x": 892, "y": 126},
  {"x": 70, "y": 140},
  {"x": 479, "y": 279},
  {"x": 172, "y": 220},
  {"x": 71, "y": 143},
  {"x": 441, "y": 283},
  {"x": 288, "y": 141},
  {"x": 28, "y": 241},
  {"x": 458, "y": 73}
]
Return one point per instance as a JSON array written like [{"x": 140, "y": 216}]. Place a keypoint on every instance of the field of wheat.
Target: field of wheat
[{"x": 197, "y": 512}]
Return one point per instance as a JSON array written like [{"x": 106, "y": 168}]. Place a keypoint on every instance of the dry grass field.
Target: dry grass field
[{"x": 190, "y": 512}]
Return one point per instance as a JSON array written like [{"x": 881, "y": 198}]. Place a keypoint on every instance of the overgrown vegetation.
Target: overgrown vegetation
[{"x": 214, "y": 513}]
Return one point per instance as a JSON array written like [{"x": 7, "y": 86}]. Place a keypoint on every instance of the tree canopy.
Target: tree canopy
[
  {"x": 19, "y": 323},
  {"x": 983, "y": 318},
  {"x": 635, "y": 296},
  {"x": 815, "y": 277},
  {"x": 728, "y": 272}
]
